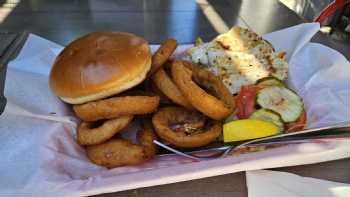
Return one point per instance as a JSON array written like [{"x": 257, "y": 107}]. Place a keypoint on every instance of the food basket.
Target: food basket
[{"x": 40, "y": 156}]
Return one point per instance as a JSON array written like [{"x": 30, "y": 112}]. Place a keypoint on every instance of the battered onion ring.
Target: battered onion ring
[
  {"x": 88, "y": 135},
  {"x": 185, "y": 75},
  {"x": 149, "y": 86},
  {"x": 121, "y": 152},
  {"x": 116, "y": 106},
  {"x": 191, "y": 125},
  {"x": 162, "y": 55},
  {"x": 165, "y": 84},
  {"x": 166, "y": 117}
]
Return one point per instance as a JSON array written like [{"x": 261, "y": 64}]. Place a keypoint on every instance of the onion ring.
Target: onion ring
[
  {"x": 168, "y": 116},
  {"x": 116, "y": 106},
  {"x": 162, "y": 55},
  {"x": 121, "y": 152},
  {"x": 186, "y": 75},
  {"x": 166, "y": 85},
  {"x": 191, "y": 125},
  {"x": 149, "y": 86},
  {"x": 90, "y": 135}
]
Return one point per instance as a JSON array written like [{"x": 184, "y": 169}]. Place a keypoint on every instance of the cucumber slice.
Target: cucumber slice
[
  {"x": 269, "y": 81},
  {"x": 269, "y": 116},
  {"x": 281, "y": 100}
]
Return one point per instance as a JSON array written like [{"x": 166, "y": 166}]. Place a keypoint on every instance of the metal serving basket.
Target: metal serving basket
[{"x": 10, "y": 45}]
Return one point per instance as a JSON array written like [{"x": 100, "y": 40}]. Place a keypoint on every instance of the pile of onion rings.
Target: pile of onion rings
[
  {"x": 186, "y": 104},
  {"x": 218, "y": 105},
  {"x": 165, "y": 84}
]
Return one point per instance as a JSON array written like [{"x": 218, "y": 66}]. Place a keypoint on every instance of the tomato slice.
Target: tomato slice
[
  {"x": 298, "y": 125},
  {"x": 246, "y": 101}
]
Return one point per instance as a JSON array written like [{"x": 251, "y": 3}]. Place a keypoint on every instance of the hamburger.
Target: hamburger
[{"x": 99, "y": 65}]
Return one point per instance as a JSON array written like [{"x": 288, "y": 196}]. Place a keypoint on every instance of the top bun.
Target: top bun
[{"x": 99, "y": 65}]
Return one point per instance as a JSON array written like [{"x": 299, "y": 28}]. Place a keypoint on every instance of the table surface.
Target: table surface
[{"x": 64, "y": 20}]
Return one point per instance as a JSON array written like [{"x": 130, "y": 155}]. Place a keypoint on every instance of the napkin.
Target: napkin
[
  {"x": 266, "y": 183},
  {"x": 40, "y": 156}
]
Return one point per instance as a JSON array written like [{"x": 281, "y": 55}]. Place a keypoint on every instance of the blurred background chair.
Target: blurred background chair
[
  {"x": 332, "y": 8},
  {"x": 333, "y": 15}
]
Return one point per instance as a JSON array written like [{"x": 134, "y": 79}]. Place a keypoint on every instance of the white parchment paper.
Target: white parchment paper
[
  {"x": 266, "y": 183},
  {"x": 39, "y": 155}
]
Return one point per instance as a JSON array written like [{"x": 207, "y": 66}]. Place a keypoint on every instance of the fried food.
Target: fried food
[
  {"x": 149, "y": 86},
  {"x": 116, "y": 152},
  {"x": 166, "y": 118},
  {"x": 146, "y": 137},
  {"x": 121, "y": 152},
  {"x": 190, "y": 125},
  {"x": 162, "y": 55},
  {"x": 186, "y": 76},
  {"x": 90, "y": 133},
  {"x": 116, "y": 106},
  {"x": 166, "y": 85}
]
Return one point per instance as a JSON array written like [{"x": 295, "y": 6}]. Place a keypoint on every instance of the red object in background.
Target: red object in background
[
  {"x": 246, "y": 101},
  {"x": 330, "y": 9}
]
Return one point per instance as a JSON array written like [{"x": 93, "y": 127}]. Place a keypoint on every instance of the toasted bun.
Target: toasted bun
[{"x": 99, "y": 65}]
